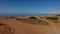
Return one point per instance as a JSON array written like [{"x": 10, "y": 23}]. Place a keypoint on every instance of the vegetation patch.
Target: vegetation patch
[
  {"x": 32, "y": 17},
  {"x": 52, "y": 18},
  {"x": 23, "y": 18},
  {"x": 36, "y": 21},
  {"x": 56, "y": 21},
  {"x": 58, "y": 15},
  {"x": 18, "y": 19},
  {"x": 1, "y": 24},
  {"x": 33, "y": 20},
  {"x": 12, "y": 17}
]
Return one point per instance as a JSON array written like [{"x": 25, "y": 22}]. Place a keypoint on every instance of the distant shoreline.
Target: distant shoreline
[{"x": 3, "y": 15}]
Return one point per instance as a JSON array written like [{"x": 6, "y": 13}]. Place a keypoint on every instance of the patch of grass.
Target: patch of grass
[
  {"x": 21, "y": 19},
  {"x": 12, "y": 17},
  {"x": 36, "y": 21},
  {"x": 58, "y": 15},
  {"x": 56, "y": 21},
  {"x": 18, "y": 19},
  {"x": 32, "y": 17},
  {"x": 1, "y": 24},
  {"x": 44, "y": 23},
  {"x": 33, "y": 20},
  {"x": 52, "y": 18}
]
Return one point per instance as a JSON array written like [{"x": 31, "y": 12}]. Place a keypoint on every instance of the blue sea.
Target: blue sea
[{"x": 2, "y": 15}]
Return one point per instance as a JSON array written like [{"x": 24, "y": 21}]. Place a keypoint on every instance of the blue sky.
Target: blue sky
[{"x": 29, "y": 6}]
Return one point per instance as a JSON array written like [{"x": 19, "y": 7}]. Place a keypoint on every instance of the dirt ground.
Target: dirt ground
[{"x": 19, "y": 27}]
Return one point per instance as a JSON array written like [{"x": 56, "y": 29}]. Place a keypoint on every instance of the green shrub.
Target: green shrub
[
  {"x": 12, "y": 17},
  {"x": 32, "y": 17},
  {"x": 52, "y": 18},
  {"x": 58, "y": 15},
  {"x": 36, "y": 21},
  {"x": 44, "y": 23},
  {"x": 56, "y": 21},
  {"x": 18, "y": 19},
  {"x": 1, "y": 24}
]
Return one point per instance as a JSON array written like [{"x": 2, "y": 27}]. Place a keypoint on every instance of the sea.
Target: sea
[{"x": 4, "y": 15}]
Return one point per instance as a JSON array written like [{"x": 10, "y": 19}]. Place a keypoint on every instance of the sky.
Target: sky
[{"x": 29, "y": 6}]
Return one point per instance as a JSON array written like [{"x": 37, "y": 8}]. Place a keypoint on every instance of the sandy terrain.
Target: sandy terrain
[{"x": 26, "y": 27}]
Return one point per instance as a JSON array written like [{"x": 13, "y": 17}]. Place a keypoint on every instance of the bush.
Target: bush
[
  {"x": 36, "y": 21},
  {"x": 18, "y": 19},
  {"x": 12, "y": 17},
  {"x": 56, "y": 21},
  {"x": 44, "y": 23},
  {"x": 1, "y": 24},
  {"x": 52, "y": 18},
  {"x": 32, "y": 18},
  {"x": 57, "y": 15}
]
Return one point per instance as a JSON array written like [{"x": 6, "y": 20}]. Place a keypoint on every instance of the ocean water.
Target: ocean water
[{"x": 2, "y": 15}]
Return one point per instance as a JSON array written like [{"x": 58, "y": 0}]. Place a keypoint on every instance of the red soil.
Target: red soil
[{"x": 19, "y": 27}]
